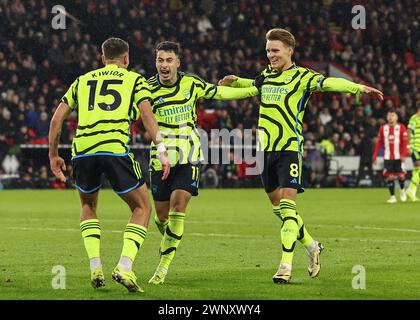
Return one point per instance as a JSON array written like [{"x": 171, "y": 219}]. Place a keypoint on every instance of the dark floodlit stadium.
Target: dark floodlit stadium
[{"x": 209, "y": 150}]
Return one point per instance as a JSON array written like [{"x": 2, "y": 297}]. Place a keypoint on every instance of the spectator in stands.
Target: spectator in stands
[
  {"x": 4, "y": 147},
  {"x": 23, "y": 137},
  {"x": 229, "y": 173},
  {"x": 42, "y": 180},
  {"x": 42, "y": 128}
]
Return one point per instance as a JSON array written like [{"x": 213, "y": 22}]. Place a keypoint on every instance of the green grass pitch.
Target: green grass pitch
[{"x": 230, "y": 249}]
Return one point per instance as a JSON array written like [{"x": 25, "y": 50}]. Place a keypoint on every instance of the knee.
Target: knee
[
  {"x": 148, "y": 210},
  {"x": 144, "y": 209}
]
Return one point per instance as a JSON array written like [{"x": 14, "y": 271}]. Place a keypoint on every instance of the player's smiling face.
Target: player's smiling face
[
  {"x": 279, "y": 54},
  {"x": 167, "y": 64}
]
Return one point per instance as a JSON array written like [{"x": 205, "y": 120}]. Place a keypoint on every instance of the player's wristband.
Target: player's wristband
[{"x": 161, "y": 147}]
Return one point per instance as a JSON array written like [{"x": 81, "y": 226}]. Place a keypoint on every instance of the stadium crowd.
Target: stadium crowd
[{"x": 38, "y": 63}]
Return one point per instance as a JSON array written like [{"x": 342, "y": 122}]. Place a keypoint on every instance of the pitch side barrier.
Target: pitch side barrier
[
  {"x": 37, "y": 156},
  {"x": 346, "y": 165}
]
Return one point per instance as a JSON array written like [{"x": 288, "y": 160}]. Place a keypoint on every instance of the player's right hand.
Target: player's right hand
[
  {"x": 374, "y": 162},
  {"x": 374, "y": 92},
  {"x": 228, "y": 80},
  {"x": 166, "y": 167},
  {"x": 57, "y": 166}
]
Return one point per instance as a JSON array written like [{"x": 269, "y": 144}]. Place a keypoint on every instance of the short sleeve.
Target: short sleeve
[
  {"x": 71, "y": 96},
  {"x": 204, "y": 89},
  {"x": 141, "y": 91},
  {"x": 134, "y": 112}
]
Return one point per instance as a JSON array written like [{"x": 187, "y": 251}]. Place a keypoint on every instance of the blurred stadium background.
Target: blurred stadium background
[{"x": 37, "y": 63}]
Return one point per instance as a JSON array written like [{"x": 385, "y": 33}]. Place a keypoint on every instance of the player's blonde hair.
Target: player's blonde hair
[{"x": 282, "y": 35}]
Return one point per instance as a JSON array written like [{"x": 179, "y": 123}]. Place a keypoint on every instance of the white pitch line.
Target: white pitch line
[
  {"x": 375, "y": 240},
  {"x": 364, "y": 228},
  {"x": 221, "y": 222},
  {"x": 225, "y": 235},
  {"x": 229, "y": 235},
  {"x": 43, "y": 229},
  {"x": 218, "y": 235},
  {"x": 73, "y": 221},
  {"x": 387, "y": 229},
  {"x": 126, "y": 219}
]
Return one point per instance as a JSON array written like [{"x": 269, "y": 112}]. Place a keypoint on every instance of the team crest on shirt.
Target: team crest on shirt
[
  {"x": 187, "y": 94},
  {"x": 287, "y": 80}
]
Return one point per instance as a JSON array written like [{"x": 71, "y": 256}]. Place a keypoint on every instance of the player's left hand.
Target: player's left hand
[
  {"x": 57, "y": 166},
  {"x": 373, "y": 91}
]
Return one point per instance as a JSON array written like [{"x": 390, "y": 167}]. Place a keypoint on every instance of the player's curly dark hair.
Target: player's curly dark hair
[{"x": 169, "y": 46}]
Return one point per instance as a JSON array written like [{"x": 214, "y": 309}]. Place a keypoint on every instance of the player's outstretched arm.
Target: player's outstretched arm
[
  {"x": 346, "y": 86},
  {"x": 236, "y": 82},
  {"x": 228, "y": 93},
  {"x": 57, "y": 164},
  {"x": 152, "y": 128}
]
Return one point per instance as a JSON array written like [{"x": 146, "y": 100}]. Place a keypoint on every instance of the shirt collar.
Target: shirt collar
[
  {"x": 111, "y": 66},
  {"x": 293, "y": 66}
]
